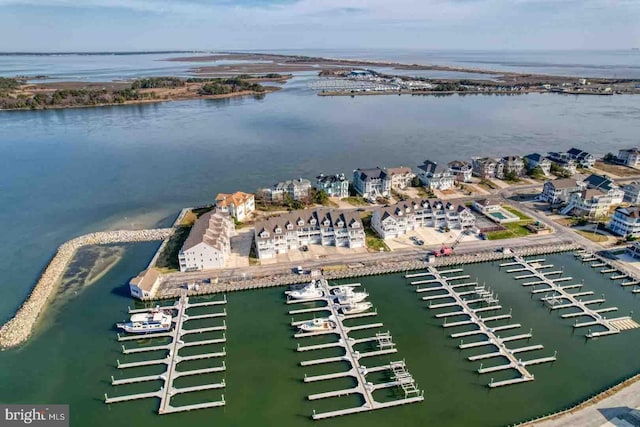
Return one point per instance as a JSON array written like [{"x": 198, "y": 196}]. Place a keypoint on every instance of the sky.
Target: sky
[{"x": 121, "y": 25}]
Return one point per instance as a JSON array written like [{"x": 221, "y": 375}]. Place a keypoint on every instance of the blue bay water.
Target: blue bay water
[{"x": 68, "y": 172}]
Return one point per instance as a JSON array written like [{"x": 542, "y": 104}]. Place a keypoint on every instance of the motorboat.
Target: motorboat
[
  {"x": 342, "y": 290},
  {"x": 356, "y": 307},
  {"x": 152, "y": 321},
  {"x": 318, "y": 325},
  {"x": 352, "y": 298},
  {"x": 311, "y": 290}
]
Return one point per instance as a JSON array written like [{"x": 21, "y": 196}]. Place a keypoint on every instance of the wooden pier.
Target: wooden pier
[
  {"x": 481, "y": 299},
  {"x": 172, "y": 359},
  {"x": 558, "y": 297},
  {"x": 399, "y": 377}
]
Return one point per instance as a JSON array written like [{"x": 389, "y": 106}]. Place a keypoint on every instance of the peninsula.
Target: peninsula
[{"x": 19, "y": 94}]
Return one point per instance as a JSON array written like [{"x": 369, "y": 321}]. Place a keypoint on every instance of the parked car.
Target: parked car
[
  {"x": 419, "y": 242},
  {"x": 299, "y": 269}
]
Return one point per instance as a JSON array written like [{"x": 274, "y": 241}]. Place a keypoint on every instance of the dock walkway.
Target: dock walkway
[
  {"x": 400, "y": 377},
  {"x": 173, "y": 359}
]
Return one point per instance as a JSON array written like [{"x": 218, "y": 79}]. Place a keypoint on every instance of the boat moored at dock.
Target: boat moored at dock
[
  {"x": 149, "y": 322},
  {"x": 311, "y": 290},
  {"x": 318, "y": 325}
]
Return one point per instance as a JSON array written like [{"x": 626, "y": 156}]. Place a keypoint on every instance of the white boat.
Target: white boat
[
  {"x": 352, "y": 298},
  {"x": 151, "y": 321},
  {"x": 356, "y": 307},
  {"x": 311, "y": 290},
  {"x": 318, "y": 325},
  {"x": 342, "y": 290}
]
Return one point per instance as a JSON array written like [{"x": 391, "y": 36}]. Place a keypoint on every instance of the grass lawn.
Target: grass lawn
[
  {"x": 517, "y": 213},
  {"x": 598, "y": 238},
  {"x": 514, "y": 229},
  {"x": 372, "y": 240},
  {"x": 168, "y": 258},
  {"x": 356, "y": 201}
]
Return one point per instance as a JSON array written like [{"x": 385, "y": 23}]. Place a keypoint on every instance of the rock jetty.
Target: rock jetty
[{"x": 17, "y": 330}]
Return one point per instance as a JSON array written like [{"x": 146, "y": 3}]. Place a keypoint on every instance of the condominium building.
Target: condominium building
[
  {"x": 590, "y": 203},
  {"x": 626, "y": 222},
  {"x": 372, "y": 183},
  {"x": 209, "y": 243},
  {"x": 403, "y": 217},
  {"x": 334, "y": 185},
  {"x": 327, "y": 227},
  {"x": 239, "y": 205}
]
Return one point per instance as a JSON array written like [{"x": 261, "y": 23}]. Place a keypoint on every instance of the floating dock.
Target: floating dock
[
  {"x": 399, "y": 377},
  {"x": 471, "y": 303},
  {"x": 172, "y": 358},
  {"x": 558, "y": 297}
]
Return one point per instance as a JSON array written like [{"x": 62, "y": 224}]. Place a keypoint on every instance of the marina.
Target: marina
[
  {"x": 398, "y": 375},
  {"x": 480, "y": 300},
  {"x": 558, "y": 297},
  {"x": 173, "y": 358}
]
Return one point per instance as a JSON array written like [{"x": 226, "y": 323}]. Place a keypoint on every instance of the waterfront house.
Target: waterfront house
[
  {"x": 238, "y": 205},
  {"x": 535, "y": 160},
  {"x": 607, "y": 185},
  {"x": 209, "y": 243},
  {"x": 559, "y": 190},
  {"x": 145, "y": 285},
  {"x": 629, "y": 157},
  {"x": 401, "y": 177},
  {"x": 399, "y": 219},
  {"x": 510, "y": 165},
  {"x": 372, "y": 183},
  {"x": 334, "y": 185},
  {"x": 582, "y": 158},
  {"x": 435, "y": 177},
  {"x": 296, "y": 189},
  {"x": 632, "y": 192},
  {"x": 461, "y": 171},
  {"x": 625, "y": 222},
  {"x": 590, "y": 203},
  {"x": 485, "y": 167},
  {"x": 564, "y": 161},
  {"x": 327, "y": 227}
]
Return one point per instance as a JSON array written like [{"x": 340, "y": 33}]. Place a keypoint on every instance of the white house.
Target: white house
[
  {"x": 510, "y": 165},
  {"x": 372, "y": 183},
  {"x": 486, "y": 206},
  {"x": 632, "y": 192},
  {"x": 435, "y": 177},
  {"x": 334, "y": 185},
  {"x": 584, "y": 159},
  {"x": 401, "y": 177},
  {"x": 239, "y": 205},
  {"x": 630, "y": 157},
  {"x": 535, "y": 160},
  {"x": 462, "y": 171},
  {"x": 564, "y": 161},
  {"x": 486, "y": 167},
  {"x": 327, "y": 227},
  {"x": 403, "y": 217},
  {"x": 607, "y": 185},
  {"x": 209, "y": 243},
  {"x": 296, "y": 189},
  {"x": 626, "y": 222},
  {"x": 591, "y": 203},
  {"x": 559, "y": 190},
  {"x": 145, "y": 285}
]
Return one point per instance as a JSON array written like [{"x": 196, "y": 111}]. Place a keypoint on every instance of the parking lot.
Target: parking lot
[
  {"x": 314, "y": 252},
  {"x": 430, "y": 236}
]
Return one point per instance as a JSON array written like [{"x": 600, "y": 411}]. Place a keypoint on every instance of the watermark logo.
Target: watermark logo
[{"x": 34, "y": 415}]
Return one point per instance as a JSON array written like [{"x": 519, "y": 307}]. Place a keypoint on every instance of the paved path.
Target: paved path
[{"x": 598, "y": 413}]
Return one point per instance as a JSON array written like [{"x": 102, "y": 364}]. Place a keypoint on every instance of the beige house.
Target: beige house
[
  {"x": 209, "y": 243},
  {"x": 401, "y": 177},
  {"x": 239, "y": 205}
]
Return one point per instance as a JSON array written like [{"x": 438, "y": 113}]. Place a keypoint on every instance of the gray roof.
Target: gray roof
[
  {"x": 431, "y": 167},
  {"x": 536, "y": 157},
  {"x": 599, "y": 181},
  {"x": 411, "y": 205},
  {"x": 372, "y": 173},
  {"x": 564, "y": 183},
  {"x": 210, "y": 228},
  {"x": 302, "y": 218},
  {"x": 630, "y": 212},
  {"x": 331, "y": 178}
]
